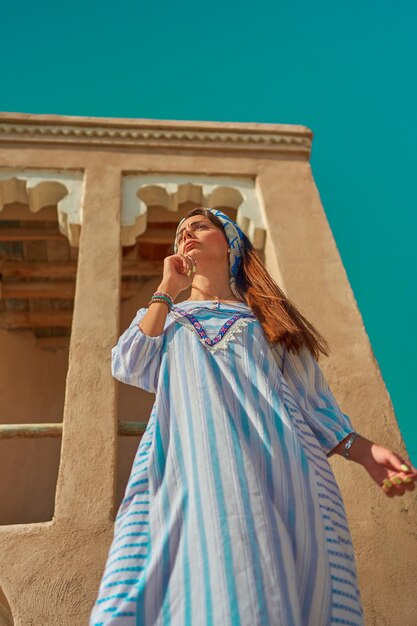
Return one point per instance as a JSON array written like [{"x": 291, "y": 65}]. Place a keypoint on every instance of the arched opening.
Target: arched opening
[{"x": 37, "y": 278}]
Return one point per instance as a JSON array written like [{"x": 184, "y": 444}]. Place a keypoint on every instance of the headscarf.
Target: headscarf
[{"x": 234, "y": 237}]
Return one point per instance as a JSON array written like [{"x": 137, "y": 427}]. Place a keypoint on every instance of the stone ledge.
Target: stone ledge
[{"x": 281, "y": 138}]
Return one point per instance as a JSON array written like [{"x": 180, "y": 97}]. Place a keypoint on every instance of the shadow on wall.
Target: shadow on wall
[{"x": 6, "y": 618}]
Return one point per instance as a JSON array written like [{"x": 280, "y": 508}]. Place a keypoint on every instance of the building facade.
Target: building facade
[{"x": 88, "y": 212}]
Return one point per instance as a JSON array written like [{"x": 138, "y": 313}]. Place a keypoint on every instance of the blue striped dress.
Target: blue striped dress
[{"x": 232, "y": 515}]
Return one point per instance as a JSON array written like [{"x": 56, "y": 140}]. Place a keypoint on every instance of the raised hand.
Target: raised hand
[{"x": 178, "y": 273}]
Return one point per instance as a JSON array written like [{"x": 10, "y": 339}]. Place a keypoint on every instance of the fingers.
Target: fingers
[
  {"x": 402, "y": 479},
  {"x": 190, "y": 266},
  {"x": 411, "y": 467},
  {"x": 390, "y": 493},
  {"x": 407, "y": 476},
  {"x": 186, "y": 264},
  {"x": 402, "y": 465},
  {"x": 183, "y": 264},
  {"x": 397, "y": 486}
]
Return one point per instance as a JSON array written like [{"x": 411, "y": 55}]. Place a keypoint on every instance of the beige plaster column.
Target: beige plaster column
[
  {"x": 60, "y": 562},
  {"x": 85, "y": 489},
  {"x": 301, "y": 244}
]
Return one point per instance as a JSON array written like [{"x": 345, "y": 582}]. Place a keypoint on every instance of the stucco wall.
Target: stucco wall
[{"x": 61, "y": 561}]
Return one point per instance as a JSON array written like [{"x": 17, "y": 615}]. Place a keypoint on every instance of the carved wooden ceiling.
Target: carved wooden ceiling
[{"x": 38, "y": 271}]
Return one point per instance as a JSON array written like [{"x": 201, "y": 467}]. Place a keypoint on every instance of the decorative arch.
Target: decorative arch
[
  {"x": 170, "y": 192},
  {"x": 40, "y": 188}
]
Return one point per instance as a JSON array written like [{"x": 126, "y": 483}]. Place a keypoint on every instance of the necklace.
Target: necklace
[{"x": 217, "y": 300}]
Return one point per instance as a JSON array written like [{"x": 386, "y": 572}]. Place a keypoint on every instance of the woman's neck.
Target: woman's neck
[{"x": 197, "y": 293}]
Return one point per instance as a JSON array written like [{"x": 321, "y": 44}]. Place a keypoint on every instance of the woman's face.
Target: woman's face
[{"x": 201, "y": 239}]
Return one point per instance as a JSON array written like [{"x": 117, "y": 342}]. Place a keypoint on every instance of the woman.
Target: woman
[{"x": 232, "y": 515}]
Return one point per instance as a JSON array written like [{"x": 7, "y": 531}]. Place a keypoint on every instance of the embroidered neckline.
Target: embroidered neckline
[{"x": 232, "y": 324}]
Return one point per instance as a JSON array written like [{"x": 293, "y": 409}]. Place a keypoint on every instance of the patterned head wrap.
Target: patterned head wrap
[{"x": 234, "y": 237}]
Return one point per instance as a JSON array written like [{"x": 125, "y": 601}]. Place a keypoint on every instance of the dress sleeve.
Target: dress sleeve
[
  {"x": 136, "y": 358},
  {"x": 314, "y": 397}
]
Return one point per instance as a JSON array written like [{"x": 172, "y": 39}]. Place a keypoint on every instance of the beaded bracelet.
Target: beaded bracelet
[
  {"x": 164, "y": 294},
  {"x": 152, "y": 300},
  {"x": 160, "y": 299},
  {"x": 348, "y": 444}
]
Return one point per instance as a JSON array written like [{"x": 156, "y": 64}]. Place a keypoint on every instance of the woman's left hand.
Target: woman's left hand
[{"x": 387, "y": 469}]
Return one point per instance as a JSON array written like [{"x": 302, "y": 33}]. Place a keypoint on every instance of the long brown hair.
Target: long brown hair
[{"x": 280, "y": 319}]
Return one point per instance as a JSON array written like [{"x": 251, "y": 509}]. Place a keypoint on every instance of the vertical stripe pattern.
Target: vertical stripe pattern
[{"x": 232, "y": 514}]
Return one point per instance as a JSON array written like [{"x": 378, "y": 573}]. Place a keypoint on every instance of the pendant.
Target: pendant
[{"x": 216, "y": 304}]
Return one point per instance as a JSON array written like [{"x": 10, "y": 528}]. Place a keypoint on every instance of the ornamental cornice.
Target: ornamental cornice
[{"x": 158, "y": 134}]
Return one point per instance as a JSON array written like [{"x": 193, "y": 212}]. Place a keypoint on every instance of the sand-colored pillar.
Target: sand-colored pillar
[
  {"x": 85, "y": 489},
  {"x": 300, "y": 243}
]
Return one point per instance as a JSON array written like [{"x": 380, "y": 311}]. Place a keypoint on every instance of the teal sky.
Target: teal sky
[{"x": 345, "y": 70}]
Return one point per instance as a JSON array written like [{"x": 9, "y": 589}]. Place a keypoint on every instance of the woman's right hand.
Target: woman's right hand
[{"x": 178, "y": 273}]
